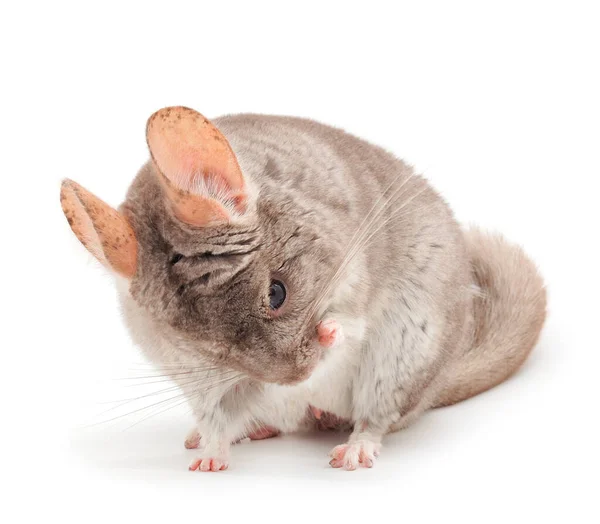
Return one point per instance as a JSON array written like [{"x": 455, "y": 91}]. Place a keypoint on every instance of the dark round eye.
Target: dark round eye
[{"x": 277, "y": 294}]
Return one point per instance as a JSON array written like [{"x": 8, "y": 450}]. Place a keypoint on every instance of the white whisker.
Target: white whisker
[
  {"x": 203, "y": 388},
  {"x": 181, "y": 402},
  {"x": 357, "y": 241}
]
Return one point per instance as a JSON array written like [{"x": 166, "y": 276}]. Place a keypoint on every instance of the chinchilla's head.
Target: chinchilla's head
[{"x": 221, "y": 271}]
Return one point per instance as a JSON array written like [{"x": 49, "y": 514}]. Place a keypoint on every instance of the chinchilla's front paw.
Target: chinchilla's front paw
[
  {"x": 214, "y": 455},
  {"x": 354, "y": 454},
  {"x": 209, "y": 464},
  {"x": 192, "y": 441},
  {"x": 330, "y": 333}
]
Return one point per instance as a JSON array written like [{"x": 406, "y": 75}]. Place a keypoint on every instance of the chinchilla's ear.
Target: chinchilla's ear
[
  {"x": 201, "y": 176},
  {"x": 104, "y": 232}
]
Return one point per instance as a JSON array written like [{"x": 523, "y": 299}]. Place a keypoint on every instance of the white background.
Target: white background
[{"x": 497, "y": 105}]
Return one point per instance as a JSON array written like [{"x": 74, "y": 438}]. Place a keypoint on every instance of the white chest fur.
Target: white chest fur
[{"x": 329, "y": 388}]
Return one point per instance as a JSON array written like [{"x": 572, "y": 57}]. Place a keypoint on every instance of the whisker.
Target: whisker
[
  {"x": 167, "y": 378},
  {"x": 356, "y": 243},
  {"x": 364, "y": 225},
  {"x": 205, "y": 387},
  {"x": 149, "y": 377},
  {"x": 233, "y": 379},
  {"x": 393, "y": 217},
  {"x": 180, "y": 395},
  {"x": 187, "y": 399},
  {"x": 182, "y": 366},
  {"x": 373, "y": 207},
  {"x": 124, "y": 402},
  {"x": 181, "y": 402},
  {"x": 175, "y": 293}
]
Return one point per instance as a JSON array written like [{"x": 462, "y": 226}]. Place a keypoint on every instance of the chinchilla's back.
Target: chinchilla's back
[
  {"x": 359, "y": 195},
  {"x": 322, "y": 169}
]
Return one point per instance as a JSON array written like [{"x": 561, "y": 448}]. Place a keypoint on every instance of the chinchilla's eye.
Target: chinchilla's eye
[
  {"x": 176, "y": 258},
  {"x": 277, "y": 294}
]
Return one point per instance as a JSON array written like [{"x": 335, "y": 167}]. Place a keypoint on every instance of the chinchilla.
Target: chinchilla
[{"x": 282, "y": 272}]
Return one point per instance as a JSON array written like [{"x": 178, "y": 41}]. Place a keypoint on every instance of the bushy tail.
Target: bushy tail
[{"x": 509, "y": 315}]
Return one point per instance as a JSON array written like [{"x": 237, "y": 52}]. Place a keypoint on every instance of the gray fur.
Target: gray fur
[{"x": 424, "y": 320}]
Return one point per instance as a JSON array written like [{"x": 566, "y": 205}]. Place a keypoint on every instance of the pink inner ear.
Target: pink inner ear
[
  {"x": 100, "y": 228},
  {"x": 198, "y": 165}
]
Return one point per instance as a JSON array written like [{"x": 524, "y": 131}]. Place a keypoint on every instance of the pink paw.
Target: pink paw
[
  {"x": 330, "y": 333},
  {"x": 209, "y": 464},
  {"x": 263, "y": 433},
  {"x": 192, "y": 441},
  {"x": 351, "y": 455},
  {"x": 326, "y": 421}
]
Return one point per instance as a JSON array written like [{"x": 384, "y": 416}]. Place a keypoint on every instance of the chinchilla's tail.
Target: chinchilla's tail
[{"x": 510, "y": 309}]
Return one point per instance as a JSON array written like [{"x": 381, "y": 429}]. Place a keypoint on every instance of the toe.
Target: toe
[
  {"x": 351, "y": 456},
  {"x": 209, "y": 464},
  {"x": 338, "y": 452}
]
